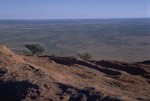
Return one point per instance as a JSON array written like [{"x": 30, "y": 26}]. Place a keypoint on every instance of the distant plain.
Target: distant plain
[{"x": 111, "y": 39}]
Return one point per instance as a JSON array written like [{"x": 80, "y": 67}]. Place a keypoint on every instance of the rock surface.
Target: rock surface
[{"x": 45, "y": 78}]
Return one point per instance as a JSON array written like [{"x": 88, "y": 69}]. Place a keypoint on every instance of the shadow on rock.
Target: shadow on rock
[{"x": 15, "y": 90}]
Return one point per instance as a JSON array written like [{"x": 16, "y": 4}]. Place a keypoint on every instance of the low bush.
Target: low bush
[
  {"x": 85, "y": 55},
  {"x": 35, "y": 49}
]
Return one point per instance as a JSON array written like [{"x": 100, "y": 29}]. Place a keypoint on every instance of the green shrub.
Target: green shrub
[
  {"x": 85, "y": 55},
  {"x": 35, "y": 49}
]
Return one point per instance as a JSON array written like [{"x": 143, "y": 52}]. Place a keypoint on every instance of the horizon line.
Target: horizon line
[{"x": 75, "y": 18}]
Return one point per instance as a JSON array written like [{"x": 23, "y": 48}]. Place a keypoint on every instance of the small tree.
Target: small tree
[
  {"x": 35, "y": 49},
  {"x": 85, "y": 55}
]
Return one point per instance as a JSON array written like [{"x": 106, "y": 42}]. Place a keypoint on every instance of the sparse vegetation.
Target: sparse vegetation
[
  {"x": 85, "y": 55},
  {"x": 35, "y": 49},
  {"x": 103, "y": 37}
]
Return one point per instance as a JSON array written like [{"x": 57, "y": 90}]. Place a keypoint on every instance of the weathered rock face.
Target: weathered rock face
[{"x": 31, "y": 78}]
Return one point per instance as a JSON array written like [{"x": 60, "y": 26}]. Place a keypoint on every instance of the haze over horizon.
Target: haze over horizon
[{"x": 77, "y": 9}]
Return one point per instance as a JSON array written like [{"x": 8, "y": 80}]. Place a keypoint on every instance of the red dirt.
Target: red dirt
[{"x": 45, "y": 78}]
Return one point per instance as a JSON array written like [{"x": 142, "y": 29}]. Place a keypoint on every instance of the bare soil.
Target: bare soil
[{"x": 47, "y": 78}]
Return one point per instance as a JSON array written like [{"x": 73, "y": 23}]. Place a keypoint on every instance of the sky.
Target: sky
[{"x": 73, "y": 9}]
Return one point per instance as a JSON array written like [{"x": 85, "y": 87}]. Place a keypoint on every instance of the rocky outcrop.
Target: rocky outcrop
[{"x": 46, "y": 78}]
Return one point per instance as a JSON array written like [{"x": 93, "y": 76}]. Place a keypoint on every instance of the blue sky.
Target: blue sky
[{"x": 73, "y": 9}]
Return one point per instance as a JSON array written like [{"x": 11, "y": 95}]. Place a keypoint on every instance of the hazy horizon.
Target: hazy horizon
[{"x": 79, "y": 18}]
